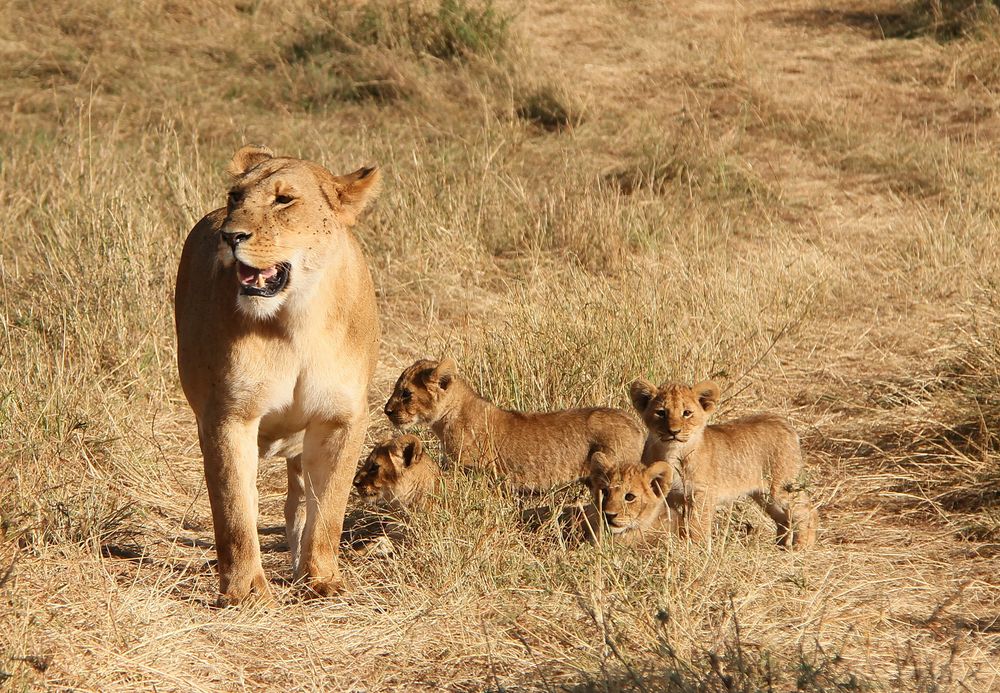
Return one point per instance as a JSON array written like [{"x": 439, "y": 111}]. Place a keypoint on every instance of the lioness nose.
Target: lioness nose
[{"x": 234, "y": 238}]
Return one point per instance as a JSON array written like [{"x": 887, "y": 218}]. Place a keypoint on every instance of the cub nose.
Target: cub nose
[
  {"x": 609, "y": 517},
  {"x": 387, "y": 410},
  {"x": 234, "y": 238}
]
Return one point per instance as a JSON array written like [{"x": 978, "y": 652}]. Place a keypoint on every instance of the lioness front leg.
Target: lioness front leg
[
  {"x": 230, "y": 452},
  {"x": 329, "y": 458}
]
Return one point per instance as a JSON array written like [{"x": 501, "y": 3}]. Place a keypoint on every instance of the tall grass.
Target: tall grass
[{"x": 558, "y": 237}]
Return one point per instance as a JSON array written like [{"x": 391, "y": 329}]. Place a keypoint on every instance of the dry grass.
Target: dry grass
[{"x": 576, "y": 195}]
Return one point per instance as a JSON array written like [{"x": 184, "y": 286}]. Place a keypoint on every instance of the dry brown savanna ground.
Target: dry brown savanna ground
[{"x": 797, "y": 198}]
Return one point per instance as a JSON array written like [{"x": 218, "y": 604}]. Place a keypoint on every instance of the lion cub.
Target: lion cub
[
  {"x": 398, "y": 472},
  {"x": 533, "y": 451},
  {"x": 629, "y": 501},
  {"x": 756, "y": 456}
]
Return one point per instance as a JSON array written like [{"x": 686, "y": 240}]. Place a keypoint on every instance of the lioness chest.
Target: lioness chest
[{"x": 285, "y": 382}]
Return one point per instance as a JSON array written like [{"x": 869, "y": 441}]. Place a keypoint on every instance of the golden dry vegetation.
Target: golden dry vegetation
[{"x": 796, "y": 198}]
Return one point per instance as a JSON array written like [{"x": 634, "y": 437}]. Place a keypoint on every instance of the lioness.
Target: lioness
[
  {"x": 629, "y": 500},
  {"x": 398, "y": 472},
  {"x": 533, "y": 451},
  {"x": 756, "y": 456},
  {"x": 277, "y": 334}
]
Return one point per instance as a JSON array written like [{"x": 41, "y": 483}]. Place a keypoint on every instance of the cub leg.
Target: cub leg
[
  {"x": 295, "y": 509},
  {"x": 804, "y": 519},
  {"x": 775, "y": 504},
  {"x": 329, "y": 459},
  {"x": 229, "y": 448},
  {"x": 699, "y": 511}
]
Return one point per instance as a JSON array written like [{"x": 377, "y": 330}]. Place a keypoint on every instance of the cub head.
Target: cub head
[
  {"x": 629, "y": 496},
  {"x": 391, "y": 472},
  {"x": 422, "y": 393},
  {"x": 674, "y": 412},
  {"x": 283, "y": 220}
]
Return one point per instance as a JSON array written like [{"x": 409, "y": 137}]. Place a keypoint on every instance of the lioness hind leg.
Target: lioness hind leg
[
  {"x": 230, "y": 457},
  {"x": 295, "y": 510},
  {"x": 329, "y": 458}
]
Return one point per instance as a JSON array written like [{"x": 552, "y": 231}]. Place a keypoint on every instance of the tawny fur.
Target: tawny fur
[
  {"x": 629, "y": 501},
  {"x": 283, "y": 375},
  {"x": 399, "y": 473},
  {"x": 533, "y": 451},
  {"x": 757, "y": 456}
]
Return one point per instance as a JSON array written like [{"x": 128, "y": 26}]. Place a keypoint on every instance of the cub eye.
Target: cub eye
[
  {"x": 687, "y": 413},
  {"x": 283, "y": 199},
  {"x": 234, "y": 197},
  {"x": 629, "y": 497},
  {"x": 661, "y": 413},
  {"x": 405, "y": 395}
]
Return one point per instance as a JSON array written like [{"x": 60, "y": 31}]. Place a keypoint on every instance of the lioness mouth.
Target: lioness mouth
[{"x": 263, "y": 282}]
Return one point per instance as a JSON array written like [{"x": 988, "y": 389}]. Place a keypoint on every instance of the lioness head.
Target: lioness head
[
  {"x": 390, "y": 471},
  {"x": 629, "y": 496},
  {"x": 284, "y": 218},
  {"x": 674, "y": 412},
  {"x": 421, "y": 393}
]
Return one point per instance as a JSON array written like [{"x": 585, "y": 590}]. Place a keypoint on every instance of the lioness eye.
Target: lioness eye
[
  {"x": 282, "y": 199},
  {"x": 687, "y": 413},
  {"x": 629, "y": 497}
]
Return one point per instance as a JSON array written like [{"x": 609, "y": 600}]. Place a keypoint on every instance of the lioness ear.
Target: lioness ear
[
  {"x": 444, "y": 373},
  {"x": 247, "y": 157},
  {"x": 708, "y": 394},
  {"x": 660, "y": 475},
  {"x": 355, "y": 191},
  {"x": 411, "y": 450},
  {"x": 641, "y": 392}
]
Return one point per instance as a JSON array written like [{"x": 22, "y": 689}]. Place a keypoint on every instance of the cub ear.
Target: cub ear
[
  {"x": 444, "y": 373},
  {"x": 600, "y": 470},
  {"x": 642, "y": 392},
  {"x": 708, "y": 394},
  {"x": 411, "y": 449},
  {"x": 247, "y": 157},
  {"x": 354, "y": 192},
  {"x": 660, "y": 477}
]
